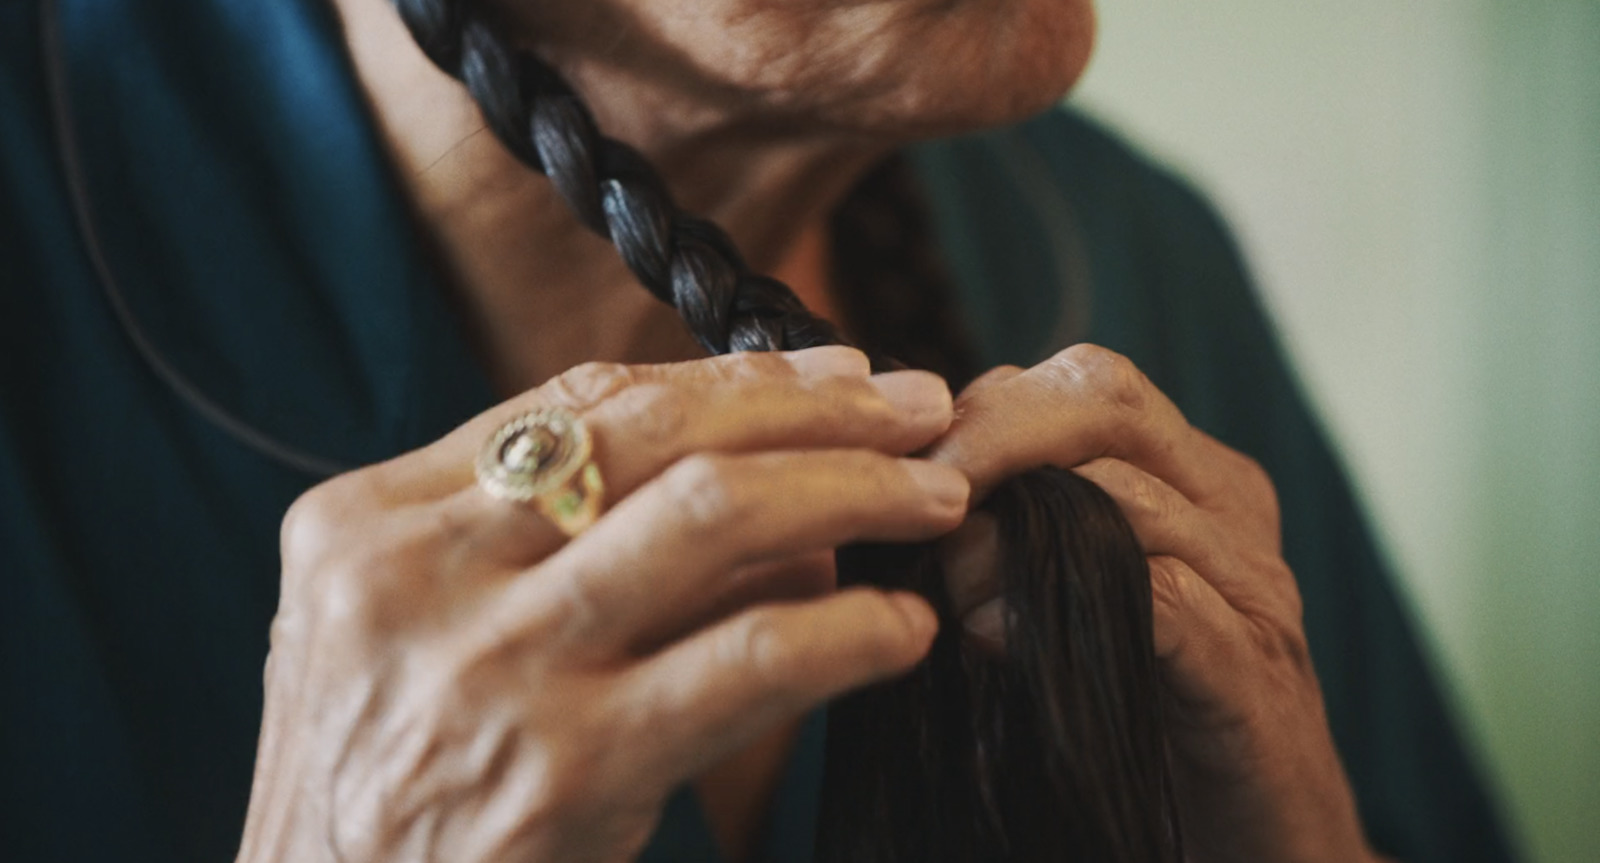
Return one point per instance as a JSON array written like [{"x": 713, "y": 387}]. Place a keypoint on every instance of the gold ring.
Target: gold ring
[{"x": 543, "y": 457}]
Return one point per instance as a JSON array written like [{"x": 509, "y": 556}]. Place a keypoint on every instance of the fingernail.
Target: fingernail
[
  {"x": 970, "y": 556},
  {"x": 918, "y": 614},
  {"x": 986, "y": 624},
  {"x": 947, "y": 486},
  {"x": 918, "y": 395}
]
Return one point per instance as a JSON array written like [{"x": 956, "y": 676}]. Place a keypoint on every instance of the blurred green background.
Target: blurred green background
[{"x": 1417, "y": 185}]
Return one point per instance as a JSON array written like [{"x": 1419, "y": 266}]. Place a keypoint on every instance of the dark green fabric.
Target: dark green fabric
[
  {"x": 1165, "y": 286},
  {"x": 251, "y": 227}
]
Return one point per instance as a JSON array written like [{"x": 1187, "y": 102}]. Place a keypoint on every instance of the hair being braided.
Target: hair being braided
[{"x": 1055, "y": 751}]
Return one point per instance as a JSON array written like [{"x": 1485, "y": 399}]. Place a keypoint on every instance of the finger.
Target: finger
[
  {"x": 788, "y": 579},
  {"x": 642, "y": 419},
  {"x": 970, "y": 559},
  {"x": 1084, "y": 403},
  {"x": 666, "y": 554},
  {"x": 1167, "y": 523},
  {"x": 718, "y": 690},
  {"x": 652, "y": 425},
  {"x": 647, "y": 416},
  {"x": 1199, "y": 639}
]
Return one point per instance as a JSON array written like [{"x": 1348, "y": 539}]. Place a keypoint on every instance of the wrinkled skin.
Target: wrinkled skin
[
  {"x": 886, "y": 68},
  {"x": 1257, "y": 773},
  {"x": 451, "y": 680}
]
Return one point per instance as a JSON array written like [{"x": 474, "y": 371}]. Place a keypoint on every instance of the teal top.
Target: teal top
[{"x": 211, "y": 293}]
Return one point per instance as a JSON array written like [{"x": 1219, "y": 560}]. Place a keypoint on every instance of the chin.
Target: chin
[
  {"x": 886, "y": 69},
  {"x": 986, "y": 63}
]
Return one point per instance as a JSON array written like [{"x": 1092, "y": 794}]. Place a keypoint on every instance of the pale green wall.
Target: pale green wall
[{"x": 1418, "y": 186}]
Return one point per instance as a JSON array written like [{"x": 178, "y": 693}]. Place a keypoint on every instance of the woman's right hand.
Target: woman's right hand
[{"x": 450, "y": 678}]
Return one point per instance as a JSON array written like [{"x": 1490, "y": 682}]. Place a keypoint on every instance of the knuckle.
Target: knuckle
[
  {"x": 1258, "y": 483},
  {"x": 707, "y": 491},
  {"x": 1137, "y": 493},
  {"x": 656, "y": 414},
  {"x": 1170, "y": 586},
  {"x": 586, "y": 385},
  {"x": 369, "y": 585},
  {"x": 574, "y": 605},
  {"x": 1147, "y": 496},
  {"x": 343, "y": 552},
  {"x": 346, "y": 597},
  {"x": 863, "y": 402},
  {"x": 1251, "y": 494},
  {"x": 313, "y": 525},
  {"x": 1111, "y": 377},
  {"x": 758, "y": 643}
]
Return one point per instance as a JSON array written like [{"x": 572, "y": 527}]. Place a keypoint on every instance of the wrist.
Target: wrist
[{"x": 1271, "y": 786}]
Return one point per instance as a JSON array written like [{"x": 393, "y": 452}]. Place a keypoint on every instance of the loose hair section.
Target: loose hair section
[{"x": 1054, "y": 751}]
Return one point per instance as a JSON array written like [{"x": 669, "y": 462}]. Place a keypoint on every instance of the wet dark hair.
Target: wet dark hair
[{"x": 1054, "y": 751}]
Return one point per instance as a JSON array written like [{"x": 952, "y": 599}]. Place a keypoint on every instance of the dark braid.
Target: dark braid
[
  {"x": 682, "y": 259},
  {"x": 1055, "y": 751}
]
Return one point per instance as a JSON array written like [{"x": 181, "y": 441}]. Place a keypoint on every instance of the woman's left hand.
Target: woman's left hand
[{"x": 1258, "y": 777}]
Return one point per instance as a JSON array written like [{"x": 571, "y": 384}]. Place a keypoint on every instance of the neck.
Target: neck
[{"x": 540, "y": 293}]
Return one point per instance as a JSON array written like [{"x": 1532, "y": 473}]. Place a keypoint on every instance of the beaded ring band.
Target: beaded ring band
[{"x": 543, "y": 458}]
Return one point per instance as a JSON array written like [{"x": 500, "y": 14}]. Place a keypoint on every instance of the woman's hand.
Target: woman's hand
[
  {"x": 451, "y": 679},
  {"x": 1257, "y": 774}
]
